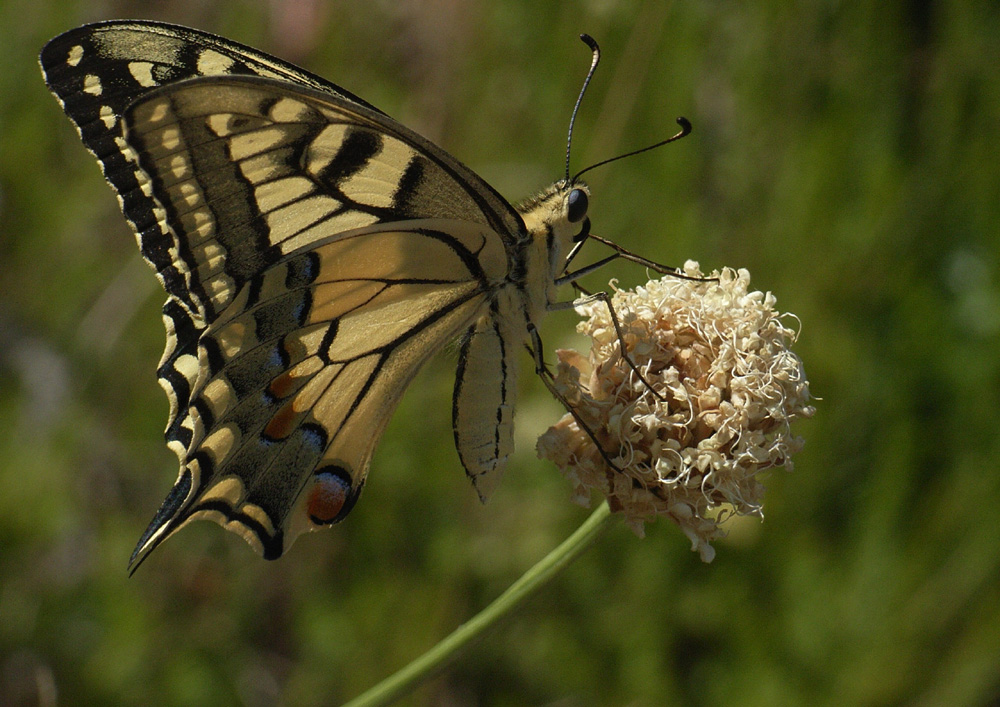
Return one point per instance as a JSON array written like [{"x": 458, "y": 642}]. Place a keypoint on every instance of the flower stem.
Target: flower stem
[{"x": 434, "y": 660}]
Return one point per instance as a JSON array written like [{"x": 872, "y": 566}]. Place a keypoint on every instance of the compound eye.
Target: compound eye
[{"x": 576, "y": 205}]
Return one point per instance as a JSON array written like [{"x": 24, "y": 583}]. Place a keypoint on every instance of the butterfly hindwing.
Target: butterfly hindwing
[{"x": 299, "y": 383}]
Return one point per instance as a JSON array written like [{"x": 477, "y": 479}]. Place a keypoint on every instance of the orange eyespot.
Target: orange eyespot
[{"x": 327, "y": 498}]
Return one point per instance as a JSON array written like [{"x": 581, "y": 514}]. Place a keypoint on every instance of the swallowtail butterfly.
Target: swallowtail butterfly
[{"x": 314, "y": 253}]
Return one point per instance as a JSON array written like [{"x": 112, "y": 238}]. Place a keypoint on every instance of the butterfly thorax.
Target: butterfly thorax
[{"x": 552, "y": 233}]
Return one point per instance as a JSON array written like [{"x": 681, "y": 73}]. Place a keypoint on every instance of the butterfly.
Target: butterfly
[{"x": 315, "y": 253}]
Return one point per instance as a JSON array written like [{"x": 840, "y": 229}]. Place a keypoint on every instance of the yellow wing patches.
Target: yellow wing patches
[
  {"x": 170, "y": 370},
  {"x": 295, "y": 212},
  {"x": 142, "y": 72},
  {"x": 231, "y": 338},
  {"x": 75, "y": 55},
  {"x": 188, "y": 366},
  {"x": 92, "y": 85},
  {"x": 157, "y": 112},
  {"x": 279, "y": 192},
  {"x": 283, "y": 385},
  {"x": 224, "y": 124},
  {"x": 180, "y": 169},
  {"x": 332, "y": 299},
  {"x": 170, "y": 139},
  {"x": 387, "y": 255},
  {"x": 212, "y": 62},
  {"x": 375, "y": 184},
  {"x": 325, "y": 147},
  {"x": 230, "y": 490},
  {"x": 220, "y": 443},
  {"x": 209, "y": 254},
  {"x": 264, "y": 168},
  {"x": 252, "y": 131},
  {"x": 220, "y": 396},
  {"x": 108, "y": 117},
  {"x": 245, "y": 143},
  {"x": 199, "y": 226},
  {"x": 191, "y": 195},
  {"x": 290, "y": 110}
]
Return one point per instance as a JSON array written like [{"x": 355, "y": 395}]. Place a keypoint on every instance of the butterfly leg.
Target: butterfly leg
[
  {"x": 624, "y": 254},
  {"x": 606, "y": 299},
  {"x": 535, "y": 349},
  {"x": 542, "y": 369}
]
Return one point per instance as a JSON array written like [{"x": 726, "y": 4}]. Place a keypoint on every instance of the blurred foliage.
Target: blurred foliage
[{"x": 846, "y": 153}]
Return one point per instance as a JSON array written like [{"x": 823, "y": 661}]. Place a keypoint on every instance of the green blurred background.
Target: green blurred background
[{"x": 846, "y": 153}]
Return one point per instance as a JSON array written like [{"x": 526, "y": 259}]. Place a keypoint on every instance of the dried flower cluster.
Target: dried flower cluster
[{"x": 729, "y": 387}]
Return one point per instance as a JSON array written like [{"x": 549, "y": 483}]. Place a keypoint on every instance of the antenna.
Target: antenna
[
  {"x": 685, "y": 129},
  {"x": 592, "y": 43}
]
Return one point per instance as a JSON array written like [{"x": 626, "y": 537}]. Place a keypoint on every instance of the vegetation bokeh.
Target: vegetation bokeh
[{"x": 845, "y": 153}]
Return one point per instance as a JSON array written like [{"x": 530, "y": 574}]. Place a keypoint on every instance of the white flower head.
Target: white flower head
[{"x": 729, "y": 386}]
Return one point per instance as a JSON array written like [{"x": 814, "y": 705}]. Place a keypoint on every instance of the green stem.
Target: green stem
[{"x": 434, "y": 660}]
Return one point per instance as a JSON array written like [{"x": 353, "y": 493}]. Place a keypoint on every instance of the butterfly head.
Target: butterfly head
[{"x": 558, "y": 213}]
